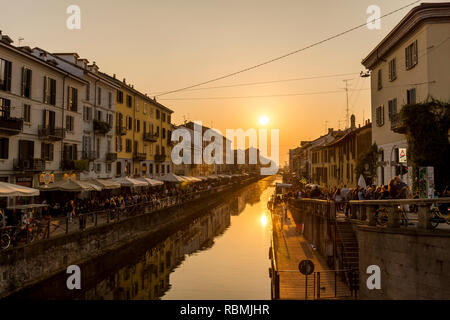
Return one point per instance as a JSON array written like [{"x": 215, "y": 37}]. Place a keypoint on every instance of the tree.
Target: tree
[
  {"x": 427, "y": 127},
  {"x": 366, "y": 164}
]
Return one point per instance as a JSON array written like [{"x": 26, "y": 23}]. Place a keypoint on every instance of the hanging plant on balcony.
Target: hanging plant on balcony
[
  {"x": 101, "y": 127},
  {"x": 427, "y": 126}
]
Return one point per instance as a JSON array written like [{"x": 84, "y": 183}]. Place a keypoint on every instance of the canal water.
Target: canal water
[{"x": 223, "y": 254}]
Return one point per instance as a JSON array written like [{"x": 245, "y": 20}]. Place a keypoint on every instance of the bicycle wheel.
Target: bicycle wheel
[
  {"x": 5, "y": 241},
  {"x": 435, "y": 219}
]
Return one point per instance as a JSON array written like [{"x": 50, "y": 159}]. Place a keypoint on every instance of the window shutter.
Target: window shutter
[
  {"x": 69, "y": 98},
  {"x": 24, "y": 80},
  {"x": 415, "y": 57},
  {"x": 45, "y": 90}
]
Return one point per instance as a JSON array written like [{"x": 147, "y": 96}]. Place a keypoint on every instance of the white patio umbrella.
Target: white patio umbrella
[
  {"x": 213, "y": 177},
  {"x": 71, "y": 186},
  {"x": 170, "y": 177},
  {"x": 130, "y": 182},
  {"x": 106, "y": 184},
  {"x": 151, "y": 182},
  {"x": 14, "y": 190},
  {"x": 361, "y": 182}
]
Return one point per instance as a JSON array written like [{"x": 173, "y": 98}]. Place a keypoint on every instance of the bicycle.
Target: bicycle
[
  {"x": 382, "y": 217},
  {"x": 437, "y": 217},
  {"x": 5, "y": 237}
]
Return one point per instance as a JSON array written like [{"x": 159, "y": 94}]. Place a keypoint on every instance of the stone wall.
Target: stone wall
[
  {"x": 414, "y": 264},
  {"x": 27, "y": 265}
]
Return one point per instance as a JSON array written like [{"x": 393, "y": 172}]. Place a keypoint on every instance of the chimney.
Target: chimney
[
  {"x": 114, "y": 75},
  {"x": 124, "y": 80},
  {"x": 330, "y": 130}
]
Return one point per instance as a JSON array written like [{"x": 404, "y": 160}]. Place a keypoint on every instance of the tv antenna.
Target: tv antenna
[
  {"x": 347, "y": 112},
  {"x": 20, "y": 40}
]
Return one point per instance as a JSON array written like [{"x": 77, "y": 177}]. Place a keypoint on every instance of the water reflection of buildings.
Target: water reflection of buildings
[{"x": 148, "y": 277}]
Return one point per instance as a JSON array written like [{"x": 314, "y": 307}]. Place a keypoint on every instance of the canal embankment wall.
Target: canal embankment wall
[{"x": 25, "y": 266}]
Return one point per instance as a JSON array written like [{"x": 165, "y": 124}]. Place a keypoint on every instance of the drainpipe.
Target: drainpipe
[
  {"x": 62, "y": 122},
  {"x": 95, "y": 113}
]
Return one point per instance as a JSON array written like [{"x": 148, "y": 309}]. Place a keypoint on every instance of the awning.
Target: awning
[
  {"x": 14, "y": 190},
  {"x": 203, "y": 178},
  {"x": 224, "y": 176},
  {"x": 106, "y": 184},
  {"x": 130, "y": 182},
  {"x": 150, "y": 182},
  {"x": 213, "y": 177},
  {"x": 71, "y": 186},
  {"x": 170, "y": 177}
]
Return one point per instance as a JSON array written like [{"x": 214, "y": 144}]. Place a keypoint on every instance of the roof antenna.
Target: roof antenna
[{"x": 20, "y": 40}]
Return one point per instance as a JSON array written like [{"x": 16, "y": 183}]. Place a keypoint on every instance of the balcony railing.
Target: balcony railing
[
  {"x": 88, "y": 155},
  {"x": 152, "y": 137},
  {"x": 160, "y": 157},
  {"x": 75, "y": 165},
  {"x": 101, "y": 127},
  {"x": 138, "y": 156},
  {"x": 49, "y": 133},
  {"x": 35, "y": 165},
  {"x": 111, "y": 156},
  {"x": 121, "y": 130},
  {"x": 397, "y": 124},
  {"x": 10, "y": 126}
]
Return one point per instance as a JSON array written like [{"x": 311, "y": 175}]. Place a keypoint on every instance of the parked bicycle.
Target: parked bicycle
[
  {"x": 437, "y": 217},
  {"x": 382, "y": 216}
]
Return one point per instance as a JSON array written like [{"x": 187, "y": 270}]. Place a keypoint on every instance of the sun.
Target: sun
[{"x": 264, "y": 120}]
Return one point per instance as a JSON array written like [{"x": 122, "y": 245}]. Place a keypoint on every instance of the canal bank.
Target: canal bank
[{"x": 206, "y": 220}]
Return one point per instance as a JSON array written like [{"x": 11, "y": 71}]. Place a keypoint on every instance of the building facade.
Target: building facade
[
  {"x": 40, "y": 106},
  {"x": 410, "y": 65}
]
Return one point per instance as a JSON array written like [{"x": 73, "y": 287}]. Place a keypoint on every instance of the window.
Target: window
[
  {"x": 70, "y": 123},
  {"x": 129, "y": 123},
  {"x": 99, "y": 115},
  {"x": 5, "y": 75},
  {"x": 108, "y": 167},
  {"x": 4, "y": 148},
  {"x": 128, "y": 145},
  {"x": 49, "y": 119},
  {"x": 129, "y": 101},
  {"x": 5, "y": 108},
  {"x": 411, "y": 57},
  {"x": 99, "y": 168},
  {"x": 168, "y": 118},
  {"x": 138, "y": 125},
  {"x": 157, "y": 114},
  {"x": 49, "y": 91},
  {"x": 110, "y": 99},
  {"x": 163, "y": 116},
  {"x": 72, "y": 99},
  {"x": 99, "y": 96},
  {"x": 87, "y": 113},
  {"x": 119, "y": 96},
  {"x": 118, "y": 144},
  {"x": 411, "y": 96},
  {"x": 27, "y": 113},
  {"x": 26, "y": 82},
  {"x": 163, "y": 133},
  {"x": 47, "y": 151},
  {"x": 144, "y": 126},
  {"x": 393, "y": 69},
  {"x": 88, "y": 92},
  {"x": 380, "y": 80},
  {"x": 392, "y": 108},
  {"x": 86, "y": 144},
  {"x": 110, "y": 119},
  {"x": 380, "y": 116},
  {"x": 118, "y": 168},
  {"x": 145, "y": 108}
]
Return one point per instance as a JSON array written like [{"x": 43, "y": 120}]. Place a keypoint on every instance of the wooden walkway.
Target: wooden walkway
[{"x": 291, "y": 248}]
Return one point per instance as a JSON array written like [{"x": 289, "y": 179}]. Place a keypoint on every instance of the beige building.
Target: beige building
[{"x": 411, "y": 64}]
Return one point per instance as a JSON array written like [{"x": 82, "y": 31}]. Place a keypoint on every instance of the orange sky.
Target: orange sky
[{"x": 164, "y": 45}]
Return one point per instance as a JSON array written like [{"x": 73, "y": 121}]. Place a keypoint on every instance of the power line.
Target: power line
[
  {"x": 268, "y": 82},
  {"x": 287, "y": 54}
]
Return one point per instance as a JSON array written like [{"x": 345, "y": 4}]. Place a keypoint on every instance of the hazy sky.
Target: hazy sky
[{"x": 164, "y": 45}]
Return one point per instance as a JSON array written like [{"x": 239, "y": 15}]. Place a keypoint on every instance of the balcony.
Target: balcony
[
  {"x": 33, "y": 165},
  {"x": 101, "y": 127},
  {"x": 111, "y": 156},
  {"x": 152, "y": 137},
  {"x": 121, "y": 130},
  {"x": 138, "y": 156},
  {"x": 397, "y": 124},
  {"x": 160, "y": 157},
  {"x": 75, "y": 165},
  {"x": 10, "y": 126},
  {"x": 89, "y": 155},
  {"x": 49, "y": 133}
]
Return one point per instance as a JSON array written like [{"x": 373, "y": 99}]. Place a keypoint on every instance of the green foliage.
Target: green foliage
[
  {"x": 427, "y": 127},
  {"x": 366, "y": 164},
  {"x": 101, "y": 127}
]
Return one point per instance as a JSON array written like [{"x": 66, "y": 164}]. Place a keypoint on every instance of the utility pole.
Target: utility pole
[{"x": 347, "y": 115}]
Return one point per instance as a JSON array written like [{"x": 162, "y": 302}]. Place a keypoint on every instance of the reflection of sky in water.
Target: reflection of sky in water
[{"x": 236, "y": 266}]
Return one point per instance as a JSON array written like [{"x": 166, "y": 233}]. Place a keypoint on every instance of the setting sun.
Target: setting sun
[{"x": 264, "y": 120}]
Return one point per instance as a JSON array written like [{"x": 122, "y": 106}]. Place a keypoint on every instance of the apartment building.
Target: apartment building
[
  {"x": 142, "y": 133},
  {"x": 411, "y": 64},
  {"x": 98, "y": 106},
  {"x": 40, "y": 117}
]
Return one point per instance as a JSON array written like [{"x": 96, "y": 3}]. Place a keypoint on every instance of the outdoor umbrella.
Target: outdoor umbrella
[
  {"x": 129, "y": 182},
  {"x": 151, "y": 182},
  {"x": 361, "y": 182},
  {"x": 106, "y": 184},
  {"x": 213, "y": 177},
  {"x": 14, "y": 190},
  {"x": 71, "y": 186},
  {"x": 170, "y": 177}
]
